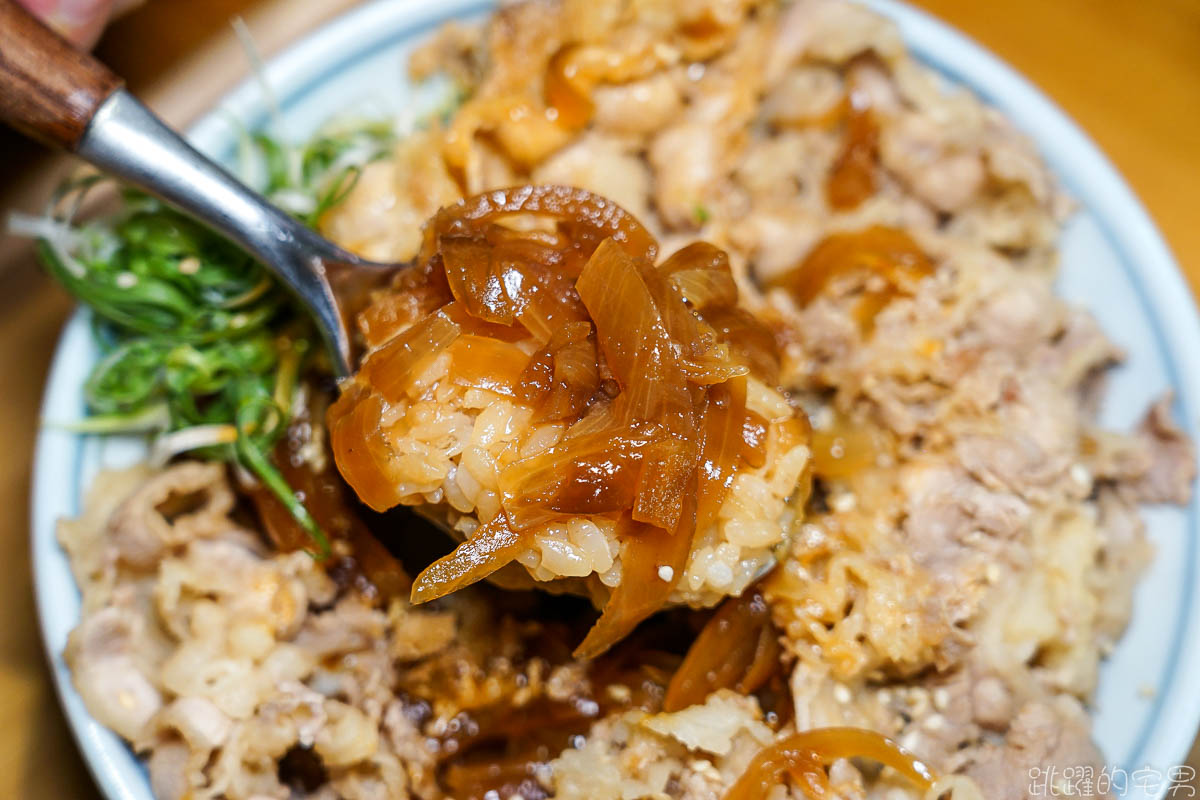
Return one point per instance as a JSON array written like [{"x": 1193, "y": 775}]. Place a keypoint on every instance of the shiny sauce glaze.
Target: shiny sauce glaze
[{"x": 646, "y": 364}]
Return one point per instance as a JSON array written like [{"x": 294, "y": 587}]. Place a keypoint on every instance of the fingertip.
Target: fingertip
[{"x": 79, "y": 21}]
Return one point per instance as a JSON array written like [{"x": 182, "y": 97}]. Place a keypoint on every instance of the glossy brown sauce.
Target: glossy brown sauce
[
  {"x": 852, "y": 178},
  {"x": 569, "y": 314},
  {"x": 887, "y": 261}
]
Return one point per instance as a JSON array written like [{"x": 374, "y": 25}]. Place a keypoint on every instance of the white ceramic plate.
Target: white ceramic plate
[{"x": 1114, "y": 262}]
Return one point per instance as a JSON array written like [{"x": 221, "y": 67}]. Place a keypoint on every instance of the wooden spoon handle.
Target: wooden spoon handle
[{"x": 48, "y": 89}]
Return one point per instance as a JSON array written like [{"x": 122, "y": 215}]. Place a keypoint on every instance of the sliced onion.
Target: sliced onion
[
  {"x": 548, "y": 301},
  {"x": 767, "y": 769},
  {"x": 635, "y": 342},
  {"x": 414, "y": 293},
  {"x": 328, "y": 500},
  {"x": 595, "y": 473},
  {"x": 575, "y": 70},
  {"x": 764, "y": 665},
  {"x": 491, "y": 546},
  {"x": 846, "y": 448},
  {"x": 474, "y": 281},
  {"x": 641, "y": 354},
  {"x": 805, "y": 754},
  {"x": 702, "y": 275},
  {"x": 485, "y": 363},
  {"x": 722, "y": 447},
  {"x": 887, "y": 252},
  {"x": 754, "y": 439},
  {"x": 561, "y": 378},
  {"x": 712, "y": 367},
  {"x": 389, "y": 314},
  {"x": 852, "y": 178},
  {"x": 738, "y": 647},
  {"x": 360, "y": 449},
  {"x": 750, "y": 342},
  {"x": 390, "y": 368},
  {"x": 666, "y": 473},
  {"x": 589, "y": 218},
  {"x": 642, "y": 591},
  {"x": 564, "y": 92},
  {"x": 474, "y": 326}
]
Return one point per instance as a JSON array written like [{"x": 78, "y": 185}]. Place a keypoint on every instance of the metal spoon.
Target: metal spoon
[{"x": 66, "y": 98}]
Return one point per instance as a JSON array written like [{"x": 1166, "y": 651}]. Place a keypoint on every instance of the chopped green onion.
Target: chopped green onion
[{"x": 200, "y": 344}]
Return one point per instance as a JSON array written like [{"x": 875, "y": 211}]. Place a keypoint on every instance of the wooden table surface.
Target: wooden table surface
[{"x": 1129, "y": 72}]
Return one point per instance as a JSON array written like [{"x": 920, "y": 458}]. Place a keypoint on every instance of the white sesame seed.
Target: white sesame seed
[
  {"x": 991, "y": 573},
  {"x": 941, "y": 698},
  {"x": 844, "y": 502},
  {"x": 918, "y": 701},
  {"x": 935, "y": 722},
  {"x": 126, "y": 280},
  {"x": 189, "y": 265},
  {"x": 842, "y": 694},
  {"x": 812, "y": 536},
  {"x": 666, "y": 573},
  {"x": 620, "y": 692},
  {"x": 1081, "y": 475}
]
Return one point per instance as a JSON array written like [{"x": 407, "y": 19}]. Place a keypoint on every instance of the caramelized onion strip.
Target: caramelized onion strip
[
  {"x": 767, "y": 769},
  {"x": 804, "y": 755},
  {"x": 475, "y": 281},
  {"x": 889, "y": 253},
  {"x": 852, "y": 178},
  {"x": 667, "y": 468},
  {"x": 722, "y": 447},
  {"x": 474, "y": 326},
  {"x": 561, "y": 378},
  {"x": 641, "y": 354},
  {"x": 327, "y": 499},
  {"x": 589, "y": 474},
  {"x": 701, "y": 274},
  {"x": 575, "y": 70},
  {"x": 389, "y": 369},
  {"x": 593, "y": 217},
  {"x": 733, "y": 650},
  {"x": 546, "y": 300},
  {"x": 485, "y": 363},
  {"x": 491, "y": 546},
  {"x": 754, "y": 439},
  {"x": 359, "y": 448},
  {"x": 750, "y": 342},
  {"x": 652, "y": 562},
  {"x": 635, "y": 342}
]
